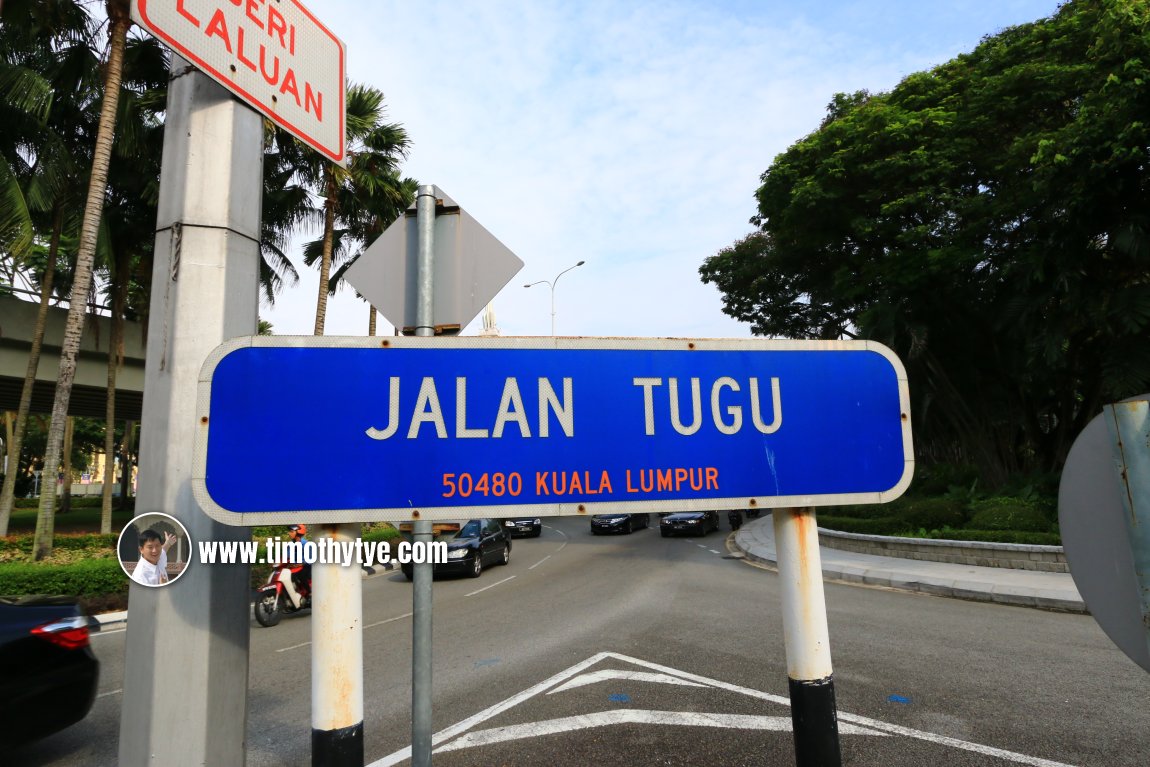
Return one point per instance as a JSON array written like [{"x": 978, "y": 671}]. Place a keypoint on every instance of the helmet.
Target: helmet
[{"x": 301, "y": 529}]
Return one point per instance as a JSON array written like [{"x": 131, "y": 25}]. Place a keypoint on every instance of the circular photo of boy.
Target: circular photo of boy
[{"x": 154, "y": 549}]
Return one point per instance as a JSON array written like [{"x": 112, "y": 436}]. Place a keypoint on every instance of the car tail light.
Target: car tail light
[{"x": 69, "y": 633}]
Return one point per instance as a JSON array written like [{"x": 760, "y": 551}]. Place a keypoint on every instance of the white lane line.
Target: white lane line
[
  {"x": 714, "y": 552},
  {"x": 634, "y": 716},
  {"x": 93, "y": 634},
  {"x": 556, "y": 529},
  {"x": 404, "y": 753},
  {"x": 541, "y": 561},
  {"x": 493, "y": 585},
  {"x": 388, "y": 620},
  {"x": 942, "y": 740},
  {"x": 368, "y": 626},
  {"x": 110, "y": 692},
  {"x": 863, "y": 723}
]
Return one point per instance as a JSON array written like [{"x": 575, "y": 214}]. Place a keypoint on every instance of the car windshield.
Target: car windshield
[{"x": 470, "y": 530}]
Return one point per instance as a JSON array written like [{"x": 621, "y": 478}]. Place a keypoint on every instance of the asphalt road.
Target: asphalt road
[{"x": 639, "y": 650}]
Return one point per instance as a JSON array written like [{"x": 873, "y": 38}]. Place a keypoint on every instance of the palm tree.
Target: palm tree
[
  {"x": 119, "y": 22},
  {"x": 367, "y": 192},
  {"x": 45, "y": 63},
  {"x": 286, "y": 208},
  {"x": 373, "y": 205},
  {"x": 129, "y": 223}
]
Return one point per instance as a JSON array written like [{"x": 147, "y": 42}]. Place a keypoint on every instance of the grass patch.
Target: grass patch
[{"x": 81, "y": 519}]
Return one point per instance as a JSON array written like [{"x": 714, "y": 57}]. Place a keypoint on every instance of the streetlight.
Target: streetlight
[{"x": 551, "y": 284}]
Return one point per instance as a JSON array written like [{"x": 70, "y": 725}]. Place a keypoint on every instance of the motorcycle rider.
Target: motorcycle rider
[{"x": 297, "y": 534}]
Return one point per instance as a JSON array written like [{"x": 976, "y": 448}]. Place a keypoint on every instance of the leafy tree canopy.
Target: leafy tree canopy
[{"x": 989, "y": 220}]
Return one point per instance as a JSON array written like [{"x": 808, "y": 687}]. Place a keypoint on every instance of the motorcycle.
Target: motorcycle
[
  {"x": 735, "y": 517},
  {"x": 272, "y": 600}
]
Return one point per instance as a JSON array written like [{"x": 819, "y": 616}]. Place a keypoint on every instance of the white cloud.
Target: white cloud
[{"x": 629, "y": 135}]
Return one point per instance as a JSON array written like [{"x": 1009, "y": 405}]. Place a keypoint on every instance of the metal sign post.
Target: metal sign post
[{"x": 423, "y": 572}]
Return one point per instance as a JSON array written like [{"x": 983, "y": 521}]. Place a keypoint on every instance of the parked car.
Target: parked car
[
  {"x": 527, "y": 527},
  {"x": 48, "y": 674},
  {"x": 689, "y": 523},
  {"x": 619, "y": 523},
  {"x": 475, "y": 545}
]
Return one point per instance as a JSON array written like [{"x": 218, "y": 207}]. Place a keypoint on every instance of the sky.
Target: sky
[{"x": 628, "y": 135}]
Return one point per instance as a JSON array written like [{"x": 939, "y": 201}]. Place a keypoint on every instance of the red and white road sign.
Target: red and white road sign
[{"x": 273, "y": 54}]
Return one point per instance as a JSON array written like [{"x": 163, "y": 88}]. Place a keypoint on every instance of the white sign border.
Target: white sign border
[
  {"x": 337, "y": 154},
  {"x": 561, "y": 509}
]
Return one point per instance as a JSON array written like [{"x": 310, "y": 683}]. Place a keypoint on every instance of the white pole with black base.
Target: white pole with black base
[
  {"x": 337, "y": 657},
  {"x": 812, "y": 688}
]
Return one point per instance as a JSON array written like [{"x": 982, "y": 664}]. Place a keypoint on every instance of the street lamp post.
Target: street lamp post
[{"x": 551, "y": 284}]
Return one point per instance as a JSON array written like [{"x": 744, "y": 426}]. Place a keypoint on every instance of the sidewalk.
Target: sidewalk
[{"x": 1026, "y": 588}]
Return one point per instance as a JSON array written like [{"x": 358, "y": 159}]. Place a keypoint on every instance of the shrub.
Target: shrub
[
  {"x": 89, "y": 578},
  {"x": 933, "y": 513},
  {"x": 1010, "y": 513},
  {"x": 940, "y": 478},
  {"x": 865, "y": 526},
  {"x": 93, "y": 541},
  {"x": 856, "y": 512},
  {"x": 380, "y": 532}
]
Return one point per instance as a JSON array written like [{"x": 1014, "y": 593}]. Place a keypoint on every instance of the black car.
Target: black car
[
  {"x": 526, "y": 527},
  {"x": 689, "y": 523},
  {"x": 618, "y": 523},
  {"x": 475, "y": 545},
  {"x": 48, "y": 674}
]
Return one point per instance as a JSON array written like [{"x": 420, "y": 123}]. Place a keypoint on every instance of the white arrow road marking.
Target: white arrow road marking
[
  {"x": 633, "y": 716},
  {"x": 610, "y": 673},
  {"x": 856, "y": 724}
]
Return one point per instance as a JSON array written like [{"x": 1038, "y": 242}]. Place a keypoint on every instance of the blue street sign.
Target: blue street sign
[{"x": 360, "y": 429}]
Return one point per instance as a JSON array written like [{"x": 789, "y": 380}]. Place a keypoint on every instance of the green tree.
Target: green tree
[
  {"x": 46, "y": 63},
  {"x": 988, "y": 220},
  {"x": 129, "y": 221},
  {"x": 119, "y": 22}
]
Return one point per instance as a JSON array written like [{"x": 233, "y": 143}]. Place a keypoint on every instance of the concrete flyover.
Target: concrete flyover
[{"x": 18, "y": 320}]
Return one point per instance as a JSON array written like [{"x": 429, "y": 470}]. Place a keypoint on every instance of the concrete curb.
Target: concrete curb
[
  {"x": 107, "y": 621},
  {"x": 980, "y": 584}
]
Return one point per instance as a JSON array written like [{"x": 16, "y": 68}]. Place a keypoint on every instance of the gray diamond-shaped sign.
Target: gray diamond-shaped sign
[{"x": 470, "y": 268}]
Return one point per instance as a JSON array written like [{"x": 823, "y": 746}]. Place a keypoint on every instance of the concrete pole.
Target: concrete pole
[
  {"x": 421, "y": 532},
  {"x": 812, "y": 688},
  {"x": 186, "y": 655}
]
